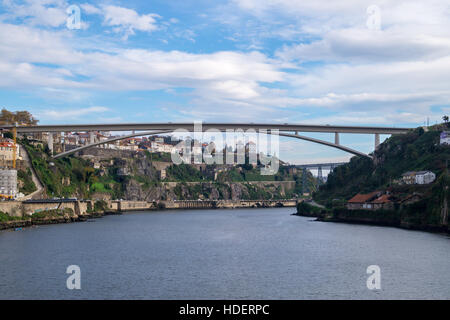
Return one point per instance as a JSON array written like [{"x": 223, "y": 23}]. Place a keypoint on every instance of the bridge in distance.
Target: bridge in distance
[
  {"x": 286, "y": 130},
  {"x": 319, "y": 166}
]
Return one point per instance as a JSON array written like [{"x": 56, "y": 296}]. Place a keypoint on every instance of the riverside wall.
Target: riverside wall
[
  {"x": 24, "y": 208},
  {"x": 226, "y": 204},
  {"x": 80, "y": 208}
]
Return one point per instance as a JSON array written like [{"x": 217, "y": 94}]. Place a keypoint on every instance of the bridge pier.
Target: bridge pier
[
  {"x": 336, "y": 138},
  {"x": 304, "y": 181},
  {"x": 63, "y": 141},
  {"x": 50, "y": 142},
  {"x": 319, "y": 175},
  {"x": 377, "y": 140}
]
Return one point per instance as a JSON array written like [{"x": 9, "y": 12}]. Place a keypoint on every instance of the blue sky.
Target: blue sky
[{"x": 354, "y": 62}]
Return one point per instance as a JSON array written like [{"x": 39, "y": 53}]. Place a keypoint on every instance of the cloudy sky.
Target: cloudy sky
[{"x": 357, "y": 62}]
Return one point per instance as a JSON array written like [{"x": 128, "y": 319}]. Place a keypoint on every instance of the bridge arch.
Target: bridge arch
[
  {"x": 68, "y": 153},
  {"x": 147, "y": 133},
  {"x": 326, "y": 143}
]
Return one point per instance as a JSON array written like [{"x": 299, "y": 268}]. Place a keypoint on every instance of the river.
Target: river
[{"x": 222, "y": 254}]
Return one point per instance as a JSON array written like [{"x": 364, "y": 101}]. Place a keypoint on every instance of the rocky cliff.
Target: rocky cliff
[{"x": 100, "y": 174}]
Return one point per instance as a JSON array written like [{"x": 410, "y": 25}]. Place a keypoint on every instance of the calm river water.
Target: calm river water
[{"x": 222, "y": 254}]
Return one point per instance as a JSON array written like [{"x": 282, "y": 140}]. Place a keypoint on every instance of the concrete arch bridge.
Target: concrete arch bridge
[{"x": 145, "y": 129}]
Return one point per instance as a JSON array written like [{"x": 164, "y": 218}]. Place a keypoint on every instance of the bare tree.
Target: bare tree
[{"x": 21, "y": 117}]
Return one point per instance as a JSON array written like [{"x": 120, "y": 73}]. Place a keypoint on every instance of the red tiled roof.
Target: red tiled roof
[
  {"x": 361, "y": 198},
  {"x": 6, "y": 144},
  {"x": 382, "y": 199}
]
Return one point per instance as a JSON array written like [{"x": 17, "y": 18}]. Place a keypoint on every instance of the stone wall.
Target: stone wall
[
  {"x": 132, "y": 205},
  {"x": 18, "y": 208},
  {"x": 102, "y": 154},
  {"x": 160, "y": 165},
  {"x": 230, "y": 204}
]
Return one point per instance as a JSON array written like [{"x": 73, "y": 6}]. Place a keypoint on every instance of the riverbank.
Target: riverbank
[
  {"x": 67, "y": 215},
  {"x": 385, "y": 218},
  {"x": 50, "y": 219},
  {"x": 401, "y": 225}
]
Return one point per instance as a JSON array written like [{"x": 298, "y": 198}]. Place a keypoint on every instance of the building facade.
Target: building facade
[
  {"x": 8, "y": 182},
  {"x": 445, "y": 137},
  {"x": 425, "y": 177},
  {"x": 418, "y": 177},
  {"x": 382, "y": 202},
  {"x": 162, "y": 147},
  {"x": 362, "y": 201},
  {"x": 7, "y": 150},
  {"x": 409, "y": 177}
]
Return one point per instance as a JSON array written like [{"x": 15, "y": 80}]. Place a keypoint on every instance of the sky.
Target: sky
[{"x": 348, "y": 62}]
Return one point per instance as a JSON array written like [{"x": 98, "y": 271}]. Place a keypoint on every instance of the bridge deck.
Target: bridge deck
[{"x": 205, "y": 126}]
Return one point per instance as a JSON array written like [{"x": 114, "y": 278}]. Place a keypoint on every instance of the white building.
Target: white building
[
  {"x": 129, "y": 147},
  {"x": 7, "y": 150},
  {"x": 8, "y": 182},
  {"x": 445, "y": 137},
  {"x": 161, "y": 147},
  {"x": 425, "y": 177}
]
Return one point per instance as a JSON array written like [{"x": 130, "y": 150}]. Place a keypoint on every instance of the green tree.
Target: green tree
[{"x": 445, "y": 118}]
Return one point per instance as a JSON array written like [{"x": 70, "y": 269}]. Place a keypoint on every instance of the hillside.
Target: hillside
[
  {"x": 415, "y": 151},
  {"x": 137, "y": 176}
]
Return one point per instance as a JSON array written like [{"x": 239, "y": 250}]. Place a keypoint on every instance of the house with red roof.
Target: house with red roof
[
  {"x": 382, "y": 202},
  {"x": 363, "y": 201}
]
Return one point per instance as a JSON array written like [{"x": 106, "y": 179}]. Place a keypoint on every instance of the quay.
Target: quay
[{"x": 84, "y": 207}]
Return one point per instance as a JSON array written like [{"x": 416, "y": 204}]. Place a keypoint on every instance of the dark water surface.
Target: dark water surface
[{"x": 222, "y": 254}]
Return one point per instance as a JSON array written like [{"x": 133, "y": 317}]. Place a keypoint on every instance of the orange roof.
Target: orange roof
[
  {"x": 382, "y": 199},
  {"x": 361, "y": 198},
  {"x": 6, "y": 144}
]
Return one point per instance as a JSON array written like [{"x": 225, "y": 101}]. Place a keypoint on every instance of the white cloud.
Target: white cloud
[
  {"x": 363, "y": 45},
  {"x": 336, "y": 31},
  {"x": 385, "y": 82},
  {"x": 392, "y": 75},
  {"x": 90, "y": 9},
  {"x": 129, "y": 19},
  {"x": 49, "y": 59},
  {"x": 38, "y": 12},
  {"x": 123, "y": 20},
  {"x": 70, "y": 114},
  {"x": 52, "y": 13},
  {"x": 232, "y": 82}
]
